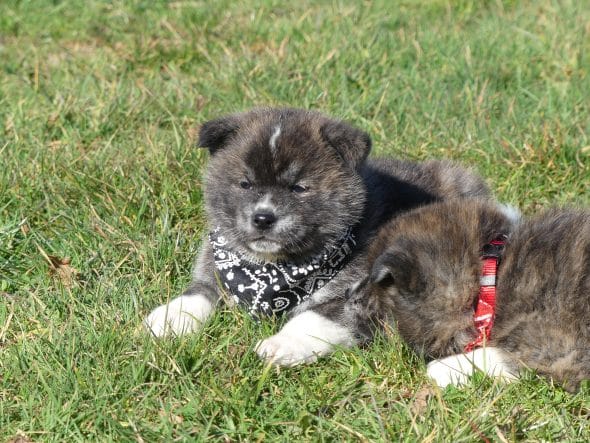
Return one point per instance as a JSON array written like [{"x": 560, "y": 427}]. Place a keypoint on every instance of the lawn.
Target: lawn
[{"x": 101, "y": 203}]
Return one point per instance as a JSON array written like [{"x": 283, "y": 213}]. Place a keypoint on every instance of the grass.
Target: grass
[{"x": 101, "y": 215}]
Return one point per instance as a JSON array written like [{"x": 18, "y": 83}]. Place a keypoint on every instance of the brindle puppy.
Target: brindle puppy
[
  {"x": 425, "y": 277},
  {"x": 291, "y": 203}
]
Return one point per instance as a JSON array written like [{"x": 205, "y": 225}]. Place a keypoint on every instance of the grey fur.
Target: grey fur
[{"x": 424, "y": 277}]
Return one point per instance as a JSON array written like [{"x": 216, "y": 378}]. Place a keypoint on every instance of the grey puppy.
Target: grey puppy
[
  {"x": 426, "y": 278},
  {"x": 291, "y": 203}
]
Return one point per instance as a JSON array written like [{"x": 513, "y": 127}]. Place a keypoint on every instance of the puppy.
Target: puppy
[
  {"x": 436, "y": 271},
  {"x": 291, "y": 204}
]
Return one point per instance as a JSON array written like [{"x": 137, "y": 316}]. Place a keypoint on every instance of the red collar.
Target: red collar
[{"x": 486, "y": 300}]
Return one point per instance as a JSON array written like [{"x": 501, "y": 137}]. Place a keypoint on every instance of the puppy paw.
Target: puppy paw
[
  {"x": 456, "y": 369},
  {"x": 447, "y": 372},
  {"x": 303, "y": 339},
  {"x": 285, "y": 350},
  {"x": 182, "y": 315}
]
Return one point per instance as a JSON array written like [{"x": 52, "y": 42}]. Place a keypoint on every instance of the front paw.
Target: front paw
[
  {"x": 182, "y": 315},
  {"x": 303, "y": 339},
  {"x": 285, "y": 350},
  {"x": 456, "y": 369},
  {"x": 447, "y": 372}
]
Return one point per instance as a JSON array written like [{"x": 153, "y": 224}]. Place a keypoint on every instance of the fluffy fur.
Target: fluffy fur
[
  {"x": 282, "y": 184},
  {"x": 424, "y": 278}
]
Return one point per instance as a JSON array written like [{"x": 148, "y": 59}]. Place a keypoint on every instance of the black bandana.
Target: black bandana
[{"x": 275, "y": 288}]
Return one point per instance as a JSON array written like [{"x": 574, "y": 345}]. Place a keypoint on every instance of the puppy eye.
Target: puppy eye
[
  {"x": 298, "y": 189},
  {"x": 245, "y": 184}
]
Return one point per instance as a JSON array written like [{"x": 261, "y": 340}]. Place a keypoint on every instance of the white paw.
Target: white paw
[
  {"x": 456, "y": 369},
  {"x": 303, "y": 339},
  {"x": 182, "y": 315},
  {"x": 284, "y": 350},
  {"x": 443, "y": 373}
]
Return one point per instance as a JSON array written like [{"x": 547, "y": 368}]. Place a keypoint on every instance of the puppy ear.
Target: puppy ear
[
  {"x": 381, "y": 273},
  {"x": 214, "y": 134},
  {"x": 353, "y": 145},
  {"x": 400, "y": 269}
]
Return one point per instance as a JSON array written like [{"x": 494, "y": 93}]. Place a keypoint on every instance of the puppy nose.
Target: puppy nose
[{"x": 264, "y": 220}]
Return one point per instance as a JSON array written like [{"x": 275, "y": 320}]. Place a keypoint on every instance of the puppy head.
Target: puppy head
[
  {"x": 283, "y": 183},
  {"x": 426, "y": 266}
]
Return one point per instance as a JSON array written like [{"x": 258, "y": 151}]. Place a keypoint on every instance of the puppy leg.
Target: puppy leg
[
  {"x": 332, "y": 322},
  {"x": 303, "y": 339},
  {"x": 456, "y": 369},
  {"x": 187, "y": 313},
  {"x": 183, "y": 315}
]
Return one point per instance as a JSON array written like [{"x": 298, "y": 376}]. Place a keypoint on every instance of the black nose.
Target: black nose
[{"x": 264, "y": 220}]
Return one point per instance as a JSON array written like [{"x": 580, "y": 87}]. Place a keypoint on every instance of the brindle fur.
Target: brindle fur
[{"x": 425, "y": 268}]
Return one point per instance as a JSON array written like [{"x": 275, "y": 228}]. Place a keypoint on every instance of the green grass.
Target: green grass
[{"x": 97, "y": 104}]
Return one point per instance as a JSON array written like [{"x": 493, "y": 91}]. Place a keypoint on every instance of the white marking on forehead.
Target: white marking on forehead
[
  {"x": 265, "y": 203},
  {"x": 273, "y": 138}
]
